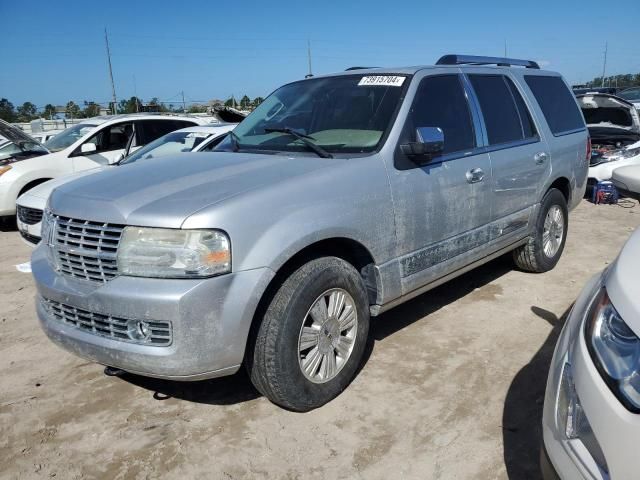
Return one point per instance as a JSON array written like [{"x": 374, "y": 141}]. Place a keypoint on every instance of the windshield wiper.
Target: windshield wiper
[{"x": 306, "y": 139}]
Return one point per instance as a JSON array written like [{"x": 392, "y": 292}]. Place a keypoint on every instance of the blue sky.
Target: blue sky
[{"x": 52, "y": 52}]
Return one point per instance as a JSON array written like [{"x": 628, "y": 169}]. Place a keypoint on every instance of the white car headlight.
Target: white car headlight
[
  {"x": 621, "y": 154},
  {"x": 173, "y": 253},
  {"x": 615, "y": 350}
]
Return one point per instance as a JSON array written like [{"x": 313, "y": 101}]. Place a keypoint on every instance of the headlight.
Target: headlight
[
  {"x": 5, "y": 169},
  {"x": 615, "y": 350},
  {"x": 169, "y": 253},
  {"x": 620, "y": 154}
]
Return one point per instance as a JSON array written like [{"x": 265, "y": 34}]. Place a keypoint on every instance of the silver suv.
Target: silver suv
[{"x": 338, "y": 198}]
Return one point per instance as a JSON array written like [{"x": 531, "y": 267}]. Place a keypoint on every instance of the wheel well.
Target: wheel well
[
  {"x": 33, "y": 183},
  {"x": 349, "y": 250},
  {"x": 564, "y": 186}
]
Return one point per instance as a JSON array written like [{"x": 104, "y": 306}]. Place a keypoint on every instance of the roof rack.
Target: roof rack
[
  {"x": 358, "y": 68},
  {"x": 477, "y": 60}
]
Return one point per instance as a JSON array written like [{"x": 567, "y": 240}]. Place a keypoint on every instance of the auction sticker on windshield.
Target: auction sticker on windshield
[{"x": 382, "y": 80}]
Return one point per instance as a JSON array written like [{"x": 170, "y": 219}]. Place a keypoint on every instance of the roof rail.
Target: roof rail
[
  {"x": 358, "y": 68},
  {"x": 477, "y": 60}
]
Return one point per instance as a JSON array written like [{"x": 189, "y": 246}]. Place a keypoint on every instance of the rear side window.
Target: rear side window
[
  {"x": 152, "y": 129},
  {"x": 505, "y": 114},
  {"x": 557, "y": 103},
  {"x": 440, "y": 102}
]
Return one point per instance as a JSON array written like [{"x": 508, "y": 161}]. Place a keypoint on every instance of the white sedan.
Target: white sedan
[
  {"x": 591, "y": 421},
  {"x": 31, "y": 204}
]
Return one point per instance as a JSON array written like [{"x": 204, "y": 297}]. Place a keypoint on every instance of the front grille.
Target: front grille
[
  {"x": 86, "y": 249},
  {"x": 30, "y": 238},
  {"x": 107, "y": 326},
  {"x": 30, "y": 216}
]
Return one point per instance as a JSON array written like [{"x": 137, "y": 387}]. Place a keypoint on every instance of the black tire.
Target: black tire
[
  {"x": 531, "y": 257},
  {"x": 273, "y": 360}
]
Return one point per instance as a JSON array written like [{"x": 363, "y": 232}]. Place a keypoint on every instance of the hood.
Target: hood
[
  {"x": 165, "y": 192},
  {"x": 14, "y": 134},
  {"x": 44, "y": 189},
  {"x": 623, "y": 284},
  {"x": 608, "y": 111}
]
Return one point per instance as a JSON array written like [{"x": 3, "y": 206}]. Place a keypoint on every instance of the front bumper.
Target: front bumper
[
  {"x": 7, "y": 199},
  {"x": 210, "y": 319},
  {"x": 616, "y": 430},
  {"x": 31, "y": 233}
]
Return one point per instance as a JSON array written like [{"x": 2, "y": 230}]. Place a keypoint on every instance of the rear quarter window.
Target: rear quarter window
[{"x": 557, "y": 103}]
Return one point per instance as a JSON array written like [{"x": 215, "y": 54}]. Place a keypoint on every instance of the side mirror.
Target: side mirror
[
  {"x": 88, "y": 148},
  {"x": 429, "y": 143}
]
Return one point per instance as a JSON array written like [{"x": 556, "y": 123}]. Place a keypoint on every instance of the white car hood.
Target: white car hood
[
  {"x": 44, "y": 189},
  {"x": 604, "y": 110},
  {"x": 623, "y": 283}
]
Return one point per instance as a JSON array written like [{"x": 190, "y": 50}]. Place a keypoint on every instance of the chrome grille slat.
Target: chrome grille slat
[
  {"x": 106, "y": 325},
  {"x": 86, "y": 249}
]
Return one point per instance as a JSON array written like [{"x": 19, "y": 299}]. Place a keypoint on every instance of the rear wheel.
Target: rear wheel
[
  {"x": 312, "y": 337},
  {"x": 545, "y": 246}
]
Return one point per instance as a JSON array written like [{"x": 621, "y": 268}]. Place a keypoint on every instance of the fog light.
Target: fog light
[{"x": 138, "y": 330}]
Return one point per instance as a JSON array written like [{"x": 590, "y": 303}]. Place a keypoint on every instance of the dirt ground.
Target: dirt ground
[{"x": 452, "y": 388}]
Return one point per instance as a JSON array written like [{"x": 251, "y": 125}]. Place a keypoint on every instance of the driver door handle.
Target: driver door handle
[
  {"x": 540, "y": 157},
  {"x": 475, "y": 175}
]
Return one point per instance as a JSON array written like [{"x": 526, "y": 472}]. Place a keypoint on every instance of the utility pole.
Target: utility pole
[
  {"x": 505, "y": 48},
  {"x": 604, "y": 64},
  {"x": 113, "y": 87},
  {"x": 184, "y": 105},
  {"x": 135, "y": 94},
  {"x": 310, "y": 74}
]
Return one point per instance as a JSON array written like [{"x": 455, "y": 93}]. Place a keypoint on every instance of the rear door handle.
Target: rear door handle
[
  {"x": 475, "y": 175},
  {"x": 540, "y": 157}
]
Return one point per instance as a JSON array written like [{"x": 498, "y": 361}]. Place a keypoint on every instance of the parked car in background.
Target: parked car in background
[
  {"x": 95, "y": 142},
  {"x": 31, "y": 204},
  {"x": 591, "y": 427},
  {"x": 627, "y": 180},
  {"x": 338, "y": 198},
  {"x": 45, "y": 136},
  {"x": 614, "y": 128},
  {"x": 17, "y": 146},
  {"x": 631, "y": 95}
]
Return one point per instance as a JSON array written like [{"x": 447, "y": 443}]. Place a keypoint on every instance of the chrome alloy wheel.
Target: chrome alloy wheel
[
  {"x": 553, "y": 232},
  {"x": 328, "y": 335}
]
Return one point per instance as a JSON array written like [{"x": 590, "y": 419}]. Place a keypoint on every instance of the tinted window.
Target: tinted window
[
  {"x": 111, "y": 138},
  {"x": 556, "y": 102},
  {"x": 528, "y": 128},
  {"x": 440, "y": 102},
  {"x": 499, "y": 110},
  {"x": 153, "y": 129}
]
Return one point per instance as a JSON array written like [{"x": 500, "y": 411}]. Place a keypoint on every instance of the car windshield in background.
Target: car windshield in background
[
  {"x": 20, "y": 149},
  {"x": 631, "y": 94},
  {"x": 174, "y": 142},
  {"x": 343, "y": 114},
  {"x": 69, "y": 136}
]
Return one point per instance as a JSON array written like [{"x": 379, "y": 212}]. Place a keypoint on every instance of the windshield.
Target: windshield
[
  {"x": 21, "y": 149},
  {"x": 345, "y": 114},
  {"x": 69, "y": 136},
  {"x": 174, "y": 142},
  {"x": 632, "y": 94}
]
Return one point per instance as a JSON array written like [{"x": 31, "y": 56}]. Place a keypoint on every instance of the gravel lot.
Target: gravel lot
[{"x": 452, "y": 388}]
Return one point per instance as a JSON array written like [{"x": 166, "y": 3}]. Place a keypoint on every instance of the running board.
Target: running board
[{"x": 376, "y": 310}]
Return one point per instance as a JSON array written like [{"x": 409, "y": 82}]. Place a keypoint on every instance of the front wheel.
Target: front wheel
[
  {"x": 312, "y": 337},
  {"x": 545, "y": 246}
]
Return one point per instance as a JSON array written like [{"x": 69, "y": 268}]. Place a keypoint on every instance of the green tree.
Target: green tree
[
  {"x": 197, "y": 109},
  {"x": 72, "y": 110},
  {"x": 49, "y": 111},
  {"x": 231, "y": 102},
  {"x": 257, "y": 101},
  {"x": 91, "y": 109},
  {"x": 133, "y": 105},
  {"x": 7, "y": 111},
  {"x": 27, "y": 112},
  {"x": 245, "y": 102}
]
